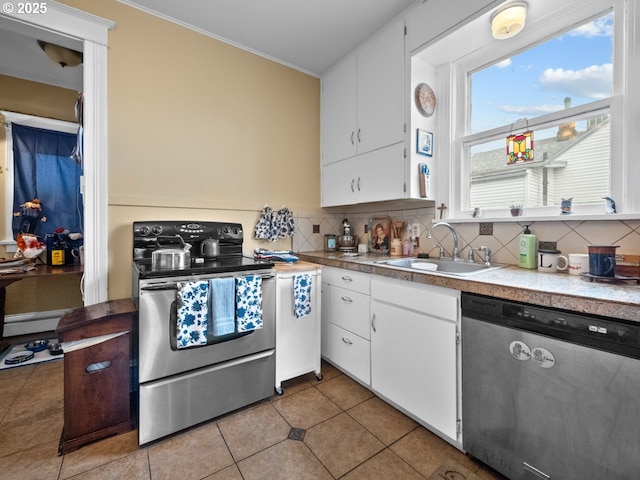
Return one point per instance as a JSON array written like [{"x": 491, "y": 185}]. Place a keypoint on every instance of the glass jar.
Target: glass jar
[{"x": 329, "y": 242}]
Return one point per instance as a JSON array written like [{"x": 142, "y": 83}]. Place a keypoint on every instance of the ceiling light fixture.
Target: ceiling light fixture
[
  {"x": 65, "y": 57},
  {"x": 509, "y": 21}
]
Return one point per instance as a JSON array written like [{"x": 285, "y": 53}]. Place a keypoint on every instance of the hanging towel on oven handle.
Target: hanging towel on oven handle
[
  {"x": 192, "y": 319},
  {"x": 248, "y": 303},
  {"x": 222, "y": 302},
  {"x": 302, "y": 295}
]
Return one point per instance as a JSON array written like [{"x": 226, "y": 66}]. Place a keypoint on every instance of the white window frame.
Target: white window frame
[
  {"x": 28, "y": 121},
  {"x": 623, "y": 106}
]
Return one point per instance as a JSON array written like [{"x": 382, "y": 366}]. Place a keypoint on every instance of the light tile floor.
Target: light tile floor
[{"x": 328, "y": 429}]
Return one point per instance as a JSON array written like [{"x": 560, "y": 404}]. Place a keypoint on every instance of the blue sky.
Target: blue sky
[{"x": 577, "y": 64}]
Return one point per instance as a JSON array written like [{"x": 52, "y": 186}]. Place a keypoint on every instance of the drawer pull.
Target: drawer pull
[
  {"x": 347, "y": 300},
  {"x": 96, "y": 367},
  {"x": 347, "y": 341},
  {"x": 347, "y": 278}
]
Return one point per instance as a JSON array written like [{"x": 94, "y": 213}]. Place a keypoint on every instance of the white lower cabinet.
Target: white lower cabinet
[
  {"x": 399, "y": 338},
  {"x": 414, "y": 354},
  {"x": 350, "y": 352},
  {"x": 346, "y": 322}
]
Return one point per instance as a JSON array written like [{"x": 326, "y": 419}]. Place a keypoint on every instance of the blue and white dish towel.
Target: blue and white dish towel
[
  {"x": 302, "y": 295},
  {"x": 248, "y": 303},
  {"x": 192, "y": 314},
  {"x": 222, "y": 297}
]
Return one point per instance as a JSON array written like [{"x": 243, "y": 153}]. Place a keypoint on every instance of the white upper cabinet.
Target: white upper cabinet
[
  {"x": 374, "y": 176},
  {"x": 362, "y": 98},
  {"x": 363, "y": 123},
  {"x": 434, "y": 17},
  {"x": 338, "y": 116},
  {"x": 380, "y": 112}
]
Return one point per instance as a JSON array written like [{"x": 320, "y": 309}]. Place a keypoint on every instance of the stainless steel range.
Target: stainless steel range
[{"x": 181, "y": 387}]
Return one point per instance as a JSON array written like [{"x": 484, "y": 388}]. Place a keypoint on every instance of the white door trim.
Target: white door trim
[{"x": 93, "y": 32}]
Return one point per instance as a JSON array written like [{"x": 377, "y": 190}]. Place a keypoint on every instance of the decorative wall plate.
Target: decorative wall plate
[{"x": 425, "y": 99}]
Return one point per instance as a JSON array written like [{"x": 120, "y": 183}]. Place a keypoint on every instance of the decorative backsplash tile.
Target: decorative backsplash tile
[{"x": 571, "y": 236}]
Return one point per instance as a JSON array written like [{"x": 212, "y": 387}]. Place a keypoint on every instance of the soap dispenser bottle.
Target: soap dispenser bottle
[{"x": 528, "y": 247}]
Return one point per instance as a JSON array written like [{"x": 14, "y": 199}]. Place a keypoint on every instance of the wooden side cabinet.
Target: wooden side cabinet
[{"x": 97, "y": 376}]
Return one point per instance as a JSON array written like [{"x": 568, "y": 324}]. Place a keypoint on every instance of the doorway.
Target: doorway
[{"x": 92, "y": 32}]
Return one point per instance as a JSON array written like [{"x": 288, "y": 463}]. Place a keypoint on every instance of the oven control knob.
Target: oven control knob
[
  {"x": 226, "y": 230},
  {"x": 156, "y": 230},
  {"x": 144, "y": 231}
]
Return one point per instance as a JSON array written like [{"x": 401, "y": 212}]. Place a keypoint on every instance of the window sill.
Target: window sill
[{"x": 543, "y": 218}]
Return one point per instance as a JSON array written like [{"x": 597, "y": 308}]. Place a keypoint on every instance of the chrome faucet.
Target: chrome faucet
[
  {"x": 487, "y": 254},
  {"x": 455, "y": 255}
]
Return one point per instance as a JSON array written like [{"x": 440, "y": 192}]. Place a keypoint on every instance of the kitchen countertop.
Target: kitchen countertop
[
  {"x": 298, "y": 266},
  {"x": 557, "y": 290}
]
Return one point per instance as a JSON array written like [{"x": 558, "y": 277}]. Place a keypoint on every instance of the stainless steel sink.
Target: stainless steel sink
[{"x": 449, "y": 267}]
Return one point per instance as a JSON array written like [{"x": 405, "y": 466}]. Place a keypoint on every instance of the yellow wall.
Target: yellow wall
[
  {"x": 200, "y": 130},
  {"x": 32, "y": 98}
]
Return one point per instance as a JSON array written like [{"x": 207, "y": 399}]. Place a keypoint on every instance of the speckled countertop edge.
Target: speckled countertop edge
[{"x": 557, "y": 290}]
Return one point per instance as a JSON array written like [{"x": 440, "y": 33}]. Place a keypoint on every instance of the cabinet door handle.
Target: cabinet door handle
[
  {"x": 352, "y": 182},
  {"x": 373, "y": 323},
  {"x": 352, "y": 140},
  {"x": 358, "y": 183},
  {"x": 347, "y": 300},
  {"x": 359, "y": 136},
  {"x": 347, "y": 341},
  {"x": 347, "y": 278}
]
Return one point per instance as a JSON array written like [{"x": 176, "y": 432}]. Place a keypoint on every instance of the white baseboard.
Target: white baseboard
[{"x": 33, "y": 322}]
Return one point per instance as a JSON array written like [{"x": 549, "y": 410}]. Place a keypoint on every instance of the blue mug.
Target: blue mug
[{"x": 602, "y": 260}]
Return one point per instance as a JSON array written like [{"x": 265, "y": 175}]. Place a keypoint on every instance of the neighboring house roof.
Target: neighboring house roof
[{"x": 546, "y": 151}]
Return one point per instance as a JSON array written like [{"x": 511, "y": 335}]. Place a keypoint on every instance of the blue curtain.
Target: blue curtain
[{"x": 44, "y": 169}]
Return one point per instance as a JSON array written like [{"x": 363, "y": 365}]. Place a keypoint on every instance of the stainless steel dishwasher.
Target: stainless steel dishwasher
[{"x": 549, "y": 394}]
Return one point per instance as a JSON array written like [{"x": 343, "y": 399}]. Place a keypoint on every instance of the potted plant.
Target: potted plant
[{"x": 516, "y": 209}]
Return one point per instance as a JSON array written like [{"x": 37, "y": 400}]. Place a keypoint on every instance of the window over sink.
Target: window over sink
[{"x": 567, "y": 79}]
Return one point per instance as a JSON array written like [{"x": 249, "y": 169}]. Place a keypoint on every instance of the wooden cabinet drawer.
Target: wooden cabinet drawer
[
  {"x": 350, "y": 353},
  {"x": 350, "y": 310},
  {"x": 356, "y": 281}
]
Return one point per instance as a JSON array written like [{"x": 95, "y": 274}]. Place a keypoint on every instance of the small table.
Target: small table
[{"x": 39, "y": 271}]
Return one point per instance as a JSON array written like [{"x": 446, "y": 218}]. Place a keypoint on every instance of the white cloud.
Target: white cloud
[
  {"x": 531, "y": 111},
  {"x": 600, "y": 27},
  {"x": 504, "y": 63},
  {"x": 591, "y": 82}
]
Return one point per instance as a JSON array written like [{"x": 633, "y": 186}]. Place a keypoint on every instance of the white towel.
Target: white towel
[
  {"x": 222, "y": 305},
  {"x": 192, "y": 314},
  {"x": 302, "y": 295},
  {"x": 248, "y": 303}
]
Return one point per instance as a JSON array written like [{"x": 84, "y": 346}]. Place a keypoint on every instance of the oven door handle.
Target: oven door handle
[
  {"x": 157, "y": 288},
  {"x": 174, "y": 286}
]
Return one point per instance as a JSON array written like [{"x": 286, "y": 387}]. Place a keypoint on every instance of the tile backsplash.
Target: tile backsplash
[{"x": 571, "y": 236}]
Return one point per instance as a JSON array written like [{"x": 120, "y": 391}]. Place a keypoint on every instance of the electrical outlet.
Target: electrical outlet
[{"x": 415, "y": 230}]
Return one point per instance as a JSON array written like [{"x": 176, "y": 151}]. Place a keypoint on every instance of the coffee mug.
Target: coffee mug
[
  {"x": 552, "y": 261},
  {"x": 602, "y": 260},
  {"x": 578, "y": 263}
]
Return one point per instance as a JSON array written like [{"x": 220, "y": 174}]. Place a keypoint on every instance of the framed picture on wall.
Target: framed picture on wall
[{"x": 424, "y": 142}]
